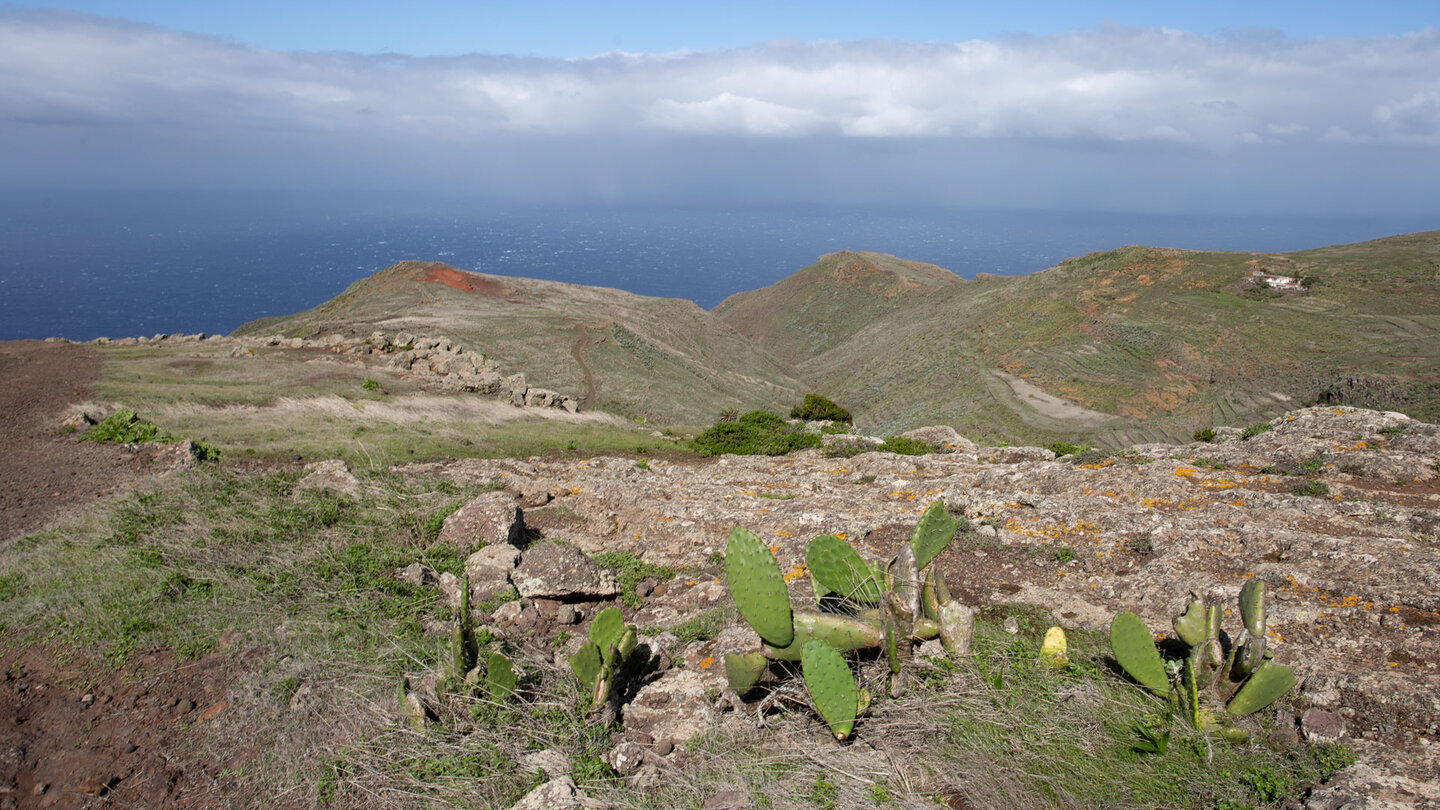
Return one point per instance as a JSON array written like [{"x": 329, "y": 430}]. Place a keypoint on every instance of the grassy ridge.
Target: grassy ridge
[{"x": 1155, "y": 342}]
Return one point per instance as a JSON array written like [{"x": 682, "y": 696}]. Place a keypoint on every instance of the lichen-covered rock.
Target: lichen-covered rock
[
  {"x": 557, "y": 571},
  {"x": 676, "y": 707},
  {"x": 491, "y": 518},
  {"x": 1362, "y": 787},
  {"x": 489, "y": 570},
  {"x": 332, "y": 475},
  {"x": 941, "y": 436}
]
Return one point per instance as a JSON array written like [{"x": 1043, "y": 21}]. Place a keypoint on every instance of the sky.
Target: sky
[{"x": 1220, "y": 107}]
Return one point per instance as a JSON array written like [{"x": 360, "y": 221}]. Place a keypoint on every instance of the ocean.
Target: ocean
[{"x": 82, "y": 265}]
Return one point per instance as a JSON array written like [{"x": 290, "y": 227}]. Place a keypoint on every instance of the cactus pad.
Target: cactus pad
[
  {"x": 957, "y": 627},
  {"x": 607, "y": 627},
  {"x": 844, "y": 633},
  {"x": 499, "y": 677},
  {"x": 1052, "y": 650},
  {"x": 586, "y": 664},
  {"x": 841, "y": 570},
  {"x": 832, "y": 687},
  {"x": 1268, "y": 683},
  {"x": 1190, "y": 626},
  {"x": 932, "y": 534},
  {"x": 743, "y": 670},
  {"x": 1136, "y": 652},
  {"x": 758, "y": 587},
  {"x": 1252, "y": 607}
]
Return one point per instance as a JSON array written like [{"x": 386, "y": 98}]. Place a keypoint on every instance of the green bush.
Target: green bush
[
  {"x": 1255, "y": 430},
  {"x": 1204, "y": 435},
  {"x": 757, "y": 433},
  {"x": 1065, "y": 448},
  {"x": 1312, "y": 489},
  {"x": 816, "y": 408},
  {"x": 126, "y": 427},
  {"x": 904, "y": 446}
]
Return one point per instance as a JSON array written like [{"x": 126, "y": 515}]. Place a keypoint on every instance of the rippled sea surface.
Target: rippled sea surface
[{"x": 82, "y": 265}]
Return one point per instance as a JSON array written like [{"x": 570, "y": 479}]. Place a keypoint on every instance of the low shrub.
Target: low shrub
[
  {"x": 757, "y": 433},
  {"x": 1204, "y": 435},
  {"x": 816, "y": 408},
  {"x": 904, "y": 446},
  {"x": 1255, "y": 430},
  {"x": 1065, "y": 448}
]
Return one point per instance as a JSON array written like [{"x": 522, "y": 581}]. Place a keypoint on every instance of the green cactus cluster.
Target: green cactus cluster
[
  {"x": 874, "y": 605},
  {"x": 470, "y": 670},
  {"x": 602, "y": 658},
  {"x": 1243, "y": 677}
]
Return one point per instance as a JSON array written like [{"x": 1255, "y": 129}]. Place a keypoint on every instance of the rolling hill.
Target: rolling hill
[{"x": 1112, "y": 348}]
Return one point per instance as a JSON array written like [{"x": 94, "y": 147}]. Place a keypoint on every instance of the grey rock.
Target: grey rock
[
  {"x": 556, "y": 571},
  {"x": 451, "y": 588},
  {"x": 942, "y": 436},
  {"x": 675, "y": 707},
  {"x": 1364, "y": 787},
  {"x": 332, "y": 475},
  {"x": 557, "y": 794},
  {"x": 1320, "y": 726},
  {"x": 491, "y": 518},
  {"x": 550, "y": 761}
]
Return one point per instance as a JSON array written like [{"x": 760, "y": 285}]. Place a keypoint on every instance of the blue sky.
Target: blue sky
[
  {"x": 576, "y": 29},
  {"x": 1220, "y": 107}
]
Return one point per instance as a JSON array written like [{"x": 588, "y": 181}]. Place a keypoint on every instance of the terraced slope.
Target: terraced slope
[{"x": 664, "y": 360}]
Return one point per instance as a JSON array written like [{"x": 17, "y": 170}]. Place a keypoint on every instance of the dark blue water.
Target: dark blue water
[{"x": 84, "y": 265}]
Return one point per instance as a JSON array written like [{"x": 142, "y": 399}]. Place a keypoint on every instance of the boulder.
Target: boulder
[
  {"x": 332, "y": 475},
  {"x": 489, "y": 570},
  {"x": 491, "y": 518},
  {"x": 942, "y": 436},
  {"x": 676, "y": 707},
  {"x": 556, "y": 571}
]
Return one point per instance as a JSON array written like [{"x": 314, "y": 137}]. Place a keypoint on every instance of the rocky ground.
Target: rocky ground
[{"x": 1337, "y": 509}]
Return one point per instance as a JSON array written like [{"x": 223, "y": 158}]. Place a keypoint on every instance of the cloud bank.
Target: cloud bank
[{"x": 1115, "y": 89}]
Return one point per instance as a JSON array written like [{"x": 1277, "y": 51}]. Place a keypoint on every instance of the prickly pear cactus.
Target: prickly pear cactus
[
  {"x": 500, "y": 680},
  {"x": 832, "y": 687},
  {"x": 841, "y": 570},
  {"x": 1252, "y": 607},
  {"x": 1268, "y": 683},
  {"x": 758, "y": 587},
  {"x": 932, "y": 534},
  {"x": 1136, "y": 652},
  {"x": 843, "y": 633}
]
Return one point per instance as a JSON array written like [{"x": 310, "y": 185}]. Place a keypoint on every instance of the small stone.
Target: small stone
[
  {"x": 88, "y": 700},
  {"x": 665, "y": 747},
  {"x": 40, "y": 788},
  {"x": 1320, "y": 726},
  {"x": 728, "y": 800},
  {"x": 1012, "y": 626},
  {"x": 566, "y": 614}
]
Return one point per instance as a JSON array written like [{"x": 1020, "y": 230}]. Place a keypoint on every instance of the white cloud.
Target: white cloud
[{"x": 1113, "y": 84}]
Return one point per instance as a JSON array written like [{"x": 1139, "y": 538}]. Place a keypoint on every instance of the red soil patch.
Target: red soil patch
[{"x": 464, "y": 282}]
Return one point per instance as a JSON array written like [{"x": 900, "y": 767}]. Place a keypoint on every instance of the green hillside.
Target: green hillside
[
  {"x": 664, "y": 360},
  {"x": 826, "y": 303},
  {"x": 1155, "y": 342},
  {"x": 1113, "y": 348}
]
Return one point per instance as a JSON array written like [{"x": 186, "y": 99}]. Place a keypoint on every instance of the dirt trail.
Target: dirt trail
[
  {"x": 583, "y": 341},
  {"x": 71, "y": 738},
  {"x": 46, "y": 472}
]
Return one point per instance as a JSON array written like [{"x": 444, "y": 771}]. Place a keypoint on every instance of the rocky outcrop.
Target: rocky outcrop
[
  {"x": 1337, "y": 509},
  {"x": 438, "y": 361}
]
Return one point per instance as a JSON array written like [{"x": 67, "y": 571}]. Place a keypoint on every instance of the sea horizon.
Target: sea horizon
[{"x": 82, "y": 265}]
